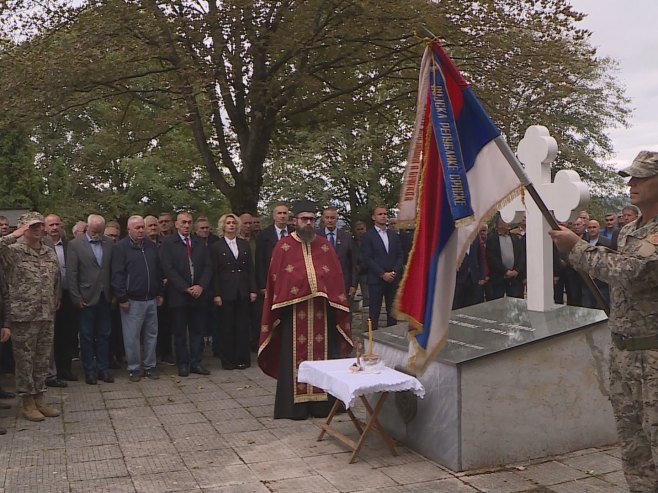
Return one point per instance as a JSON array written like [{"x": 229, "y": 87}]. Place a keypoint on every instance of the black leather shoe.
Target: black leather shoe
[
  {"x": 242, "y": 366},
  {"x": 151, "y": 374},
  {"x": 106, "y": 377},
  {"x": 67, "y": 375},
  {"x": 55, "y": 382},
  {"x": 183, "y": 371},
  {"x": 91, "y": 380},
  {"x": 199, "y": 370},
  {"x": 3, "y": 431},
  {"x": 5, "y": 394}
]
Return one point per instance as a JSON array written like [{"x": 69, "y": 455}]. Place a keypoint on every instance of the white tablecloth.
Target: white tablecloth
[{"x": 334, "y": 376}]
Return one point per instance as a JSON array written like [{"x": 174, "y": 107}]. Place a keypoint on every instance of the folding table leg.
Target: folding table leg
[
  {"x": 332, "y": 413},
  {"x": 390, "y": 443},
  {"x": 372, "y": 421}
]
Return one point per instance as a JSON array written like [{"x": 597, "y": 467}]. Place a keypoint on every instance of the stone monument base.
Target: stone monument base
[{"x": 510, "y": 385}]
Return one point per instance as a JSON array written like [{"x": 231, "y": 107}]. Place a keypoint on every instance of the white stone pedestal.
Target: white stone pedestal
[{"x": 509, "y": 386}]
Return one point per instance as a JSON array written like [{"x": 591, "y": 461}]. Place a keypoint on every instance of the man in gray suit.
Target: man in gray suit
[{"x": 88, "y": 275}]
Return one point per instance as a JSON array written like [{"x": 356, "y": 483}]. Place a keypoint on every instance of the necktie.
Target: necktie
[
  {"x": 283, "y": 234},
  {"x": 332, "y": 240},
  {"x": 188, "y": 247}
]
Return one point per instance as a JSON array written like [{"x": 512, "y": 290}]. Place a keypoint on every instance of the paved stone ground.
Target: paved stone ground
[{"x": 215, "y": 434}]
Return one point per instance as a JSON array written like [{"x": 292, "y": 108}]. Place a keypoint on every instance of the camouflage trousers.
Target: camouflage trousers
[
  {"x": 634, "y": 397},
  {"x": 32, "y": 343}
]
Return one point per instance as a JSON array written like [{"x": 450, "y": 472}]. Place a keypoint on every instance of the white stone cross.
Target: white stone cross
[{"x": 565, "y": 197}]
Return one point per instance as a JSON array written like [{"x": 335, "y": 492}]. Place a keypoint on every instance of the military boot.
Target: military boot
[
  {"x": 45, "y": 409},
  {"x": 30, "y": 411}
]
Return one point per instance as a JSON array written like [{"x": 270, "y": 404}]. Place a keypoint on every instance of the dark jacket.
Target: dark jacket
[
  {"x": 265, "y": 242},
  {"x": 470, "y": 268},
  {"x": 176, "y": 268},
  {"x": 347, "y": 256},
  {"x": 233, "y": 278},
  {"x": 377, "y": 259},
  {"x": 4, "y": 302},
  {"x": 136, "y": 271},
  {"x": 496, "y": 268}
]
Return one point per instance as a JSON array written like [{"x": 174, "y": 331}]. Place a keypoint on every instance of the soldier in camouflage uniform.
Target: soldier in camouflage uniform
[
  {"x": 5, "y": 332},
  {"x": 34, "y": 296},
  {"x": 632, "y": 273}
]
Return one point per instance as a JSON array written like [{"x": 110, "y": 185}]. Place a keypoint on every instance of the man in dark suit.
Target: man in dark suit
[
  {"x": 473, "y": 273},
  {"x": 506, "y": 262},
  {"x": 381, "y": 251},
  {"x": 88, "y": 277},
  {"x": 186, "y": 265},
  {"x": 595, "y": 238},
  {"x": 65, "y": 340},
  {"x": 344, "y": 246},
  {"x": 265, "y": 242},
  {"x": 202, "y": 231}
]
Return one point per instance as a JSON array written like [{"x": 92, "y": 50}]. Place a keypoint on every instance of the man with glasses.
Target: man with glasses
[
  {"x": 88, "y": 277},
  {"x": 305, "y": 316}
]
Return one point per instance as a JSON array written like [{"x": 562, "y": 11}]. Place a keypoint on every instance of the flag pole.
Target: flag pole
[{"x": 516, "y": 165}]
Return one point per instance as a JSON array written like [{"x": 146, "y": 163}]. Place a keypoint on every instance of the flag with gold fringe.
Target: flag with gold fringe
[{"x": 456, "y": 178}]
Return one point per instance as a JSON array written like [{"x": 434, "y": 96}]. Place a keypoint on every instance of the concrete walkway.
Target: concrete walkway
[{"x": 215, "y": 434}]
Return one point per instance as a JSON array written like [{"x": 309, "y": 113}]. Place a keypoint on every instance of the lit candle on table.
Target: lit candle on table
[{"x": 369, "y": 336}]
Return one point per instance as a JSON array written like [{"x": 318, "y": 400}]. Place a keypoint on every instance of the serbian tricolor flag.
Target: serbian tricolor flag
[{"x": 456, "y": 178}]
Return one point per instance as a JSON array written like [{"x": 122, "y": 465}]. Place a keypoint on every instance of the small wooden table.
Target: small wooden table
[{"x": 336, "y": 378}]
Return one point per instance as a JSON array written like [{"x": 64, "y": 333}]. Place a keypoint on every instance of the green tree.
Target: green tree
[
  {"x": 99, "y": 160},
  {"x": 246, "y": 76},
  {"x": 20, "y": 185}
]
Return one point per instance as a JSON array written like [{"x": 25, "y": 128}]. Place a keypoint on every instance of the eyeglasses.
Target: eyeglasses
[{"x": 306, "y": 218}]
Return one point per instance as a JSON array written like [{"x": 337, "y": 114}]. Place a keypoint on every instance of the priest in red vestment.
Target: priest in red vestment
[{"x": 306, "y": 316}]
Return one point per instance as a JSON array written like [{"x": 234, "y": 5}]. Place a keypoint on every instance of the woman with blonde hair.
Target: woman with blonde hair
[{"x": 235, "y": 291}]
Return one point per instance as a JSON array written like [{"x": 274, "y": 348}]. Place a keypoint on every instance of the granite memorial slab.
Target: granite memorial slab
[{"x": 509, "y": 385}]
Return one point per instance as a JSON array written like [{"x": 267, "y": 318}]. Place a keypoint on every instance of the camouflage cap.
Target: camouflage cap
[
  {"x": 645, "y": 165},
  {"x": 30, "y": 218}
]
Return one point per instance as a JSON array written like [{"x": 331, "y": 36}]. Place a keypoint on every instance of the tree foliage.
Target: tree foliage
[
  {"x": 299, "y": 91},
  {"x": 20, "y": 185}
]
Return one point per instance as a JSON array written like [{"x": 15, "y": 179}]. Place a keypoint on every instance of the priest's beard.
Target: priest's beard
[{"x": 307, "y": 235}]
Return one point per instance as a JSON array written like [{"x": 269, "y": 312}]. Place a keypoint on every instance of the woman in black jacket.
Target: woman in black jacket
[{"x": 235, "y": 290}]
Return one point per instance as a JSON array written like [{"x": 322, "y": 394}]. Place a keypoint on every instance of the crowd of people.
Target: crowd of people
[
  {"x": 495, "y": 264},
  {"x": 169, "y": 287}
]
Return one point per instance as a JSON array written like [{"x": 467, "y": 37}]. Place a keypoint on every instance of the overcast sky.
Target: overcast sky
[{"x": 626, "y": 30}]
